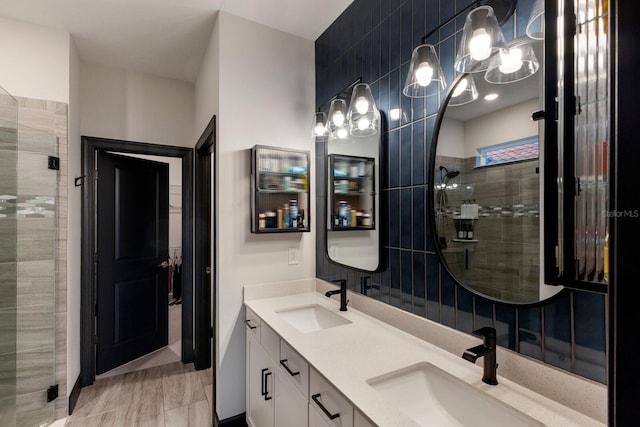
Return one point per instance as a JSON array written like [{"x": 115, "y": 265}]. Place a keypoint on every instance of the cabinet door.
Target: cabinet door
[
  {"x": 316, "y": 419},
  {"x": 360, "y": 421},
  {"x": 334, "y": 408},
  {"x": 291, "y": 406},
  {"x": 260, "y": 394}
]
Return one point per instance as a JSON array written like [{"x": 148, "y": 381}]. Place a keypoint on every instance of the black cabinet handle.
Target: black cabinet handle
[
  {"x": 248, "y": 322},
  {"x": 266, "y": 386},
  {"x": 326, "y": 412},
  {"x": 283, "y": 362},
  {"x": 263, "y": 385}
]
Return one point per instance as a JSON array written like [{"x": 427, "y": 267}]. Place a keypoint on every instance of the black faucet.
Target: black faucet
[
  {"x": 487, "y": 350},
  {"x": 342, "y": 292}
]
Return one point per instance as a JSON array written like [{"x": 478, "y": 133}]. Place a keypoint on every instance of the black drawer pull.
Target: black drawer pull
[
  {"x": 283, "y": 362},
  {"x": 326, "y": 412},
  {"x": 248, "y": 322}
]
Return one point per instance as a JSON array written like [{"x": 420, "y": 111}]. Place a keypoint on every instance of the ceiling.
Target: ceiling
[{"x": 164, "y": 37}]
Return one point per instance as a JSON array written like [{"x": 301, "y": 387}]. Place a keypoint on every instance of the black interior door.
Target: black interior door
[{"x": 132, "y": 245}]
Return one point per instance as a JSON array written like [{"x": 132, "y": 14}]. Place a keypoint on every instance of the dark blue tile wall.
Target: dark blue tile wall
[{"x": 374, "y": 39}]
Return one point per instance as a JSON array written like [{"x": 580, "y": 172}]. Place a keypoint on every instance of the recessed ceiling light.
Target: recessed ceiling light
[{"x": 491, "y": 96}]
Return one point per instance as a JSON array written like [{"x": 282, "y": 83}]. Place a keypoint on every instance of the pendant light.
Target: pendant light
[
  {"x": 363, "y": 115},
  {"x": 481, "y": 37},
  {"x": 512, "y": 64},
  {"x": 464, "y": 91},
  {"x": 535, "y": 26},
  {"x": 319, "y": 125},
  {"x": 425, "y": 77},
  {"x": 337, "y": 123}
]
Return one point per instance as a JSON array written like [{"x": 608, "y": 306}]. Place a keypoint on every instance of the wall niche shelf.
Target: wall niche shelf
[
  {"x": 279, "y": 190},
  {"x": 352, "y": 198}
]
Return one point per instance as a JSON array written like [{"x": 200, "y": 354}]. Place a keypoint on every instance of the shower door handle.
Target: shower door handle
[{"x": 163, "y": 264}]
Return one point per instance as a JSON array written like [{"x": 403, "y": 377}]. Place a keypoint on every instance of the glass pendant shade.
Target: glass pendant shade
[
  {"x": 512, "y": 64},
  {"x": 425, "y": 77},
  {"x": 464, "y": 92},
  {"x": 337, "y": 123},
  {"x": 535, "y": 26},
  {"x": 363, "y": 115},
  {"x": 481, "y": 37},
  {"x": 319, "y": 127}
]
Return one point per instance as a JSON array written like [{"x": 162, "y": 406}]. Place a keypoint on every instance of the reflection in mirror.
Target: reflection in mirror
[
  {"x": 487, "y": 181},
  {"x": 353, "y": 232}
]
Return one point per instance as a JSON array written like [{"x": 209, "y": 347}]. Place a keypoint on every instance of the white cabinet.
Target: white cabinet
[
  {"x": 291, "y": 405},
  {"x": 283, "y": 391},
  {"x": 260, "y": 383},
  {"x": 329, "y": 403},
  {"x": 275, "y": 379},
  {"x": 316, "y": 419},
  {"x": 359, "y": 420}
]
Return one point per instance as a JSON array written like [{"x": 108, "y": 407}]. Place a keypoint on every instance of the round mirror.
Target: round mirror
[{"x": 487, "y": 178}]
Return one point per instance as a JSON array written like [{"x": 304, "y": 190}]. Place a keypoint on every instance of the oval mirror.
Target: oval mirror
[
  {"x": 486, "y": 179},
  {"x": 353, "y": 202}
]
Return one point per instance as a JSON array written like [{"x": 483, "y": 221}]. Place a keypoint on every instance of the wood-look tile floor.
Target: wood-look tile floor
[{"x": 172, "y": 395}]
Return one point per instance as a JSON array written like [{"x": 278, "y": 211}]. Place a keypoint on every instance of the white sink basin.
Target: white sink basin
[
  {"x": 432, "y": 397},
  {"x": 312, "y": 318}
]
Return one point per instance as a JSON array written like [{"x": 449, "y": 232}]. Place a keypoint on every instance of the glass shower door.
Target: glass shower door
[{"x": 28, "y": 234}]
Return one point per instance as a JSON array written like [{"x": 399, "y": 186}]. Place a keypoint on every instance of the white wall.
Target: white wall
[
  {"x": 133, "y": 106},
  {"x": 35, "y": 61},
  {"x": 451, "y": 139},
  {"x": 265, "y": 96},
  {"x": 501, "y": 126}
]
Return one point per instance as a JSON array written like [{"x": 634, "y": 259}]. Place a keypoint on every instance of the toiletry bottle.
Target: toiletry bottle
[
  {"x": 293, "y": 213},
  {"x": 262, "y": 221},
  {"x": 285, "y": 216},
  {"x": 301, "y": 219},
  {"x": 354, "y": 217},
  {"x": 470, "y": 232},
  {"x": 280, "y": 219},
  {"x": 342, "y": 213}
]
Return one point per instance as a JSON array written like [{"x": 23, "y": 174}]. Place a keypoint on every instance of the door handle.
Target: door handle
[
  {"x": 207, "y": 270},
  {"x": 163, "y": 264}
]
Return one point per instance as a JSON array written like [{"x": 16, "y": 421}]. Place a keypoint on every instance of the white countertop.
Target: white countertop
[{"x": 349, "y": 355}]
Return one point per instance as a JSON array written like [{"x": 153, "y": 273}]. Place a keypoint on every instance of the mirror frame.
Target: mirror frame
[
  {"x": 381, "y": 217},
  {"x": 432, "y": 218}
]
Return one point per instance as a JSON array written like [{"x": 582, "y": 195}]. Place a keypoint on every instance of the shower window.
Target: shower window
[{"x": 507, "y": 152}]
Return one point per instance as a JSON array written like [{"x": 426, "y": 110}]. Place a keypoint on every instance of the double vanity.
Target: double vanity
[{"x": 308, "y": 363}]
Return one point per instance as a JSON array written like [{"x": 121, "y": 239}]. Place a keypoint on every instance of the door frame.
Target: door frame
[
  {"x": 205, "y": 247},
  {"x": 90, "y": 147}
]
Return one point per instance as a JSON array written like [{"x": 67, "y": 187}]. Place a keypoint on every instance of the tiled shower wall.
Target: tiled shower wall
[
  {"x": 373, "y": 39},
  {"x": 40, "y": 225},
  {"x": 502, "y": 261}
]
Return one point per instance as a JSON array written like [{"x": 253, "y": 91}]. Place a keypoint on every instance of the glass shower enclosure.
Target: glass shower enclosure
[{"x": 28, "y": 193}]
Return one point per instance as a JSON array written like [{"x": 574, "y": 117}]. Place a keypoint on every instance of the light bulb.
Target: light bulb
[
  {"x": 338, "y": 118},
  {"x": 460, "y": 88},
  {"x": 394, "y": 113},
  {"x": 362, "y": 105},
  {"x": 511, "y": 61},
  {"x": 342, "y": 133},
  {"x": 320, "y": 129},
  {"x": 480, "y": 45},
  {"x": 424, "y": 74},
  {"x": 363, "y": 123}
]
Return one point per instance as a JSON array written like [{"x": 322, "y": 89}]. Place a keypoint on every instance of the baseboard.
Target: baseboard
[
  {"x": 237, "y": 421},
  {"x": 75, "y": 393}
]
